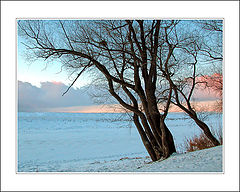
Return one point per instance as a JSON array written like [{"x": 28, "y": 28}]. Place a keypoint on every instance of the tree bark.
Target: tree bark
[
  {"x": 202, "y": 126},
  {"x": 144, "y": 138},
  {"x": 170, "y": 140},
  {"x": 165, "y": 144},
  {"x": 167, "y": 140},
  {"x": 207, "y": 131}
]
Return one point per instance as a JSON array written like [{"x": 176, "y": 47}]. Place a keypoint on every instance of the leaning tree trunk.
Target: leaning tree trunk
[
  {"x": 167, "y": 140},
  {"x": 205, "y": 129},
  {"x": 145, "y": 140},
  {"x": 170, "y": 140},
  {"x": 158, "y": 147},
  {"x": 200, "y": 124},
  {"x": 164, "y": 146}
]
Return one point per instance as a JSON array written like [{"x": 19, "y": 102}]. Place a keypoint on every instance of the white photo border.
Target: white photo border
[{"x": 119, "y": 10}]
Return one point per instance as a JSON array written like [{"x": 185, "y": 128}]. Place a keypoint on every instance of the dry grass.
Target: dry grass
[{"x": 201, "y": 141}]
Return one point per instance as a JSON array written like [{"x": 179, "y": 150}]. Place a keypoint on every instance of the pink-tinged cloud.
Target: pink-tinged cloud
[
  {"x": 56, "y": 82},
  {"x": 208, "y": 87},
  {"x": 200, "y": 106},
  {"x": 109, "y": 108}
]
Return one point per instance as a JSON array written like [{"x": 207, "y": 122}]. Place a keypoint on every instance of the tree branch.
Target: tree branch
[{"x": 89, "y": 65}]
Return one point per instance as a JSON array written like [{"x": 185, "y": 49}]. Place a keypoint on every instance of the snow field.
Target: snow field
[{"x": 72, "y": 142}]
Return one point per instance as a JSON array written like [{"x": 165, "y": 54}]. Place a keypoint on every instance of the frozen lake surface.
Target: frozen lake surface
[{"x": 67, "y": 142}]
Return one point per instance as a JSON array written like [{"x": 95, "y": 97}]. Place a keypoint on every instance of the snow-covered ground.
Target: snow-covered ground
[
  {"x": 65, "y": 142},
  {"x": 207, "y": 160}
]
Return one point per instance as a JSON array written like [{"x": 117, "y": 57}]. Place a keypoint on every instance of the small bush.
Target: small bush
[
  {"x": 197, "y": 143},
  {"x": 201, "y": 142}
]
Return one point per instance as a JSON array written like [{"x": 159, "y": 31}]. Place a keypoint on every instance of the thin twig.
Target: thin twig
[{"x": 77, "y": 78}]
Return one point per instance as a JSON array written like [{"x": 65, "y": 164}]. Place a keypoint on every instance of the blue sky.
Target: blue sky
[
  {"x": 40, "y": 87},
  {"x": 36, "y": 72}
]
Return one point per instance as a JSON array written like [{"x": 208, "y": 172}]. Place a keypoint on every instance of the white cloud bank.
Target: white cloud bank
[{"x": 49, "y": 96}]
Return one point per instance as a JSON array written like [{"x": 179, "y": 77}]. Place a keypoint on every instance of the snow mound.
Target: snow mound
[{"x": 207, "y": 160}]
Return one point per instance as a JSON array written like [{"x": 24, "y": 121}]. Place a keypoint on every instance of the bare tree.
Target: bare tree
[
  {"x": 215, "y": 81},
  {"x": 125, "y": 53},
  {"x": 186, "y": 53}
]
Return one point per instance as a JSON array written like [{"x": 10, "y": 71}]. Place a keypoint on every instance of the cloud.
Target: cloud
[
  {"x": 49, "y": 96},
  {"x": 211, "y": 89}
]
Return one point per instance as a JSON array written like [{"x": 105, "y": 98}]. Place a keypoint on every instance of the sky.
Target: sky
[
  {"x": 41, "y": 85},
  {"x": 39, "y": 71}
]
